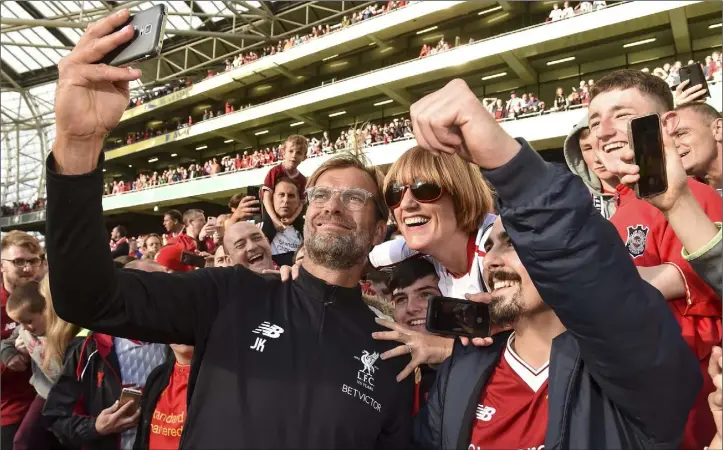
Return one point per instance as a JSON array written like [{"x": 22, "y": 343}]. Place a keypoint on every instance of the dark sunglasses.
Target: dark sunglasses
[{"x": 422, "y": 191}]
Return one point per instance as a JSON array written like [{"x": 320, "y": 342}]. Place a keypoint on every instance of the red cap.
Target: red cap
[
  {"x": 185, "y": 241},
  {"x": 170, "y": 258}
]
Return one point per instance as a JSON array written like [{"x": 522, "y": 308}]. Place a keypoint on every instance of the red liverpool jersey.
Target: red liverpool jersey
[{"x": 512, "y": 413}]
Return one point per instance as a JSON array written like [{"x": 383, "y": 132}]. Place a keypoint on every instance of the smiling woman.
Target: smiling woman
[{"x": 443, "y": 208}]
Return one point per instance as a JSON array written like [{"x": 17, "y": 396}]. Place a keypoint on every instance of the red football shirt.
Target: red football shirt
[
  {"x": 512, "y": 412},
  {"x": 170, "y": 413},
  {"x": 277, "y": 172}
]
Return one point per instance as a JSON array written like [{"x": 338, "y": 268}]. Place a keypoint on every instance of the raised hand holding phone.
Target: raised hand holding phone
[{"x": 90, "y": 98}]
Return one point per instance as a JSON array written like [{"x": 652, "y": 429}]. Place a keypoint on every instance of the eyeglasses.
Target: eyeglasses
[
  {"x": 21, "y": 263},
  {"x": 422, "y": 191},
  {"x": 353, "y": 199}
]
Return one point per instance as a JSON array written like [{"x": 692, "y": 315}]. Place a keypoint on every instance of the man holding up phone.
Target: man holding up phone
[
  {"x": 275, "y": 365},
  {"x": 653, "y": 246},
  {"x": 557, "y": 270}
]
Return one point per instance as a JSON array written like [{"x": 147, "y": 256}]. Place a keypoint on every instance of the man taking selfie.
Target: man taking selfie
[
  {"x": 562, "y": 378},
  {"x": 275, "y": 365}
]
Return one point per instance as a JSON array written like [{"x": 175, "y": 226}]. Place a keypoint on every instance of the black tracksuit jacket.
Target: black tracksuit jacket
[{"x": 317, "y": 384}]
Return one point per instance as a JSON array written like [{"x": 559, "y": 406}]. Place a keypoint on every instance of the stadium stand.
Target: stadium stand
[{"x": 205, "y": 137}]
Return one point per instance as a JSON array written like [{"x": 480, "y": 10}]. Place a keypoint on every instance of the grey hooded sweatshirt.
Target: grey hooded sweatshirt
[{"x": 605, "y": 203}]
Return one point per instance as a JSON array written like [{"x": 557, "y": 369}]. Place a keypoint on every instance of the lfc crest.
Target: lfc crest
[{"x": 637, "y": 240}]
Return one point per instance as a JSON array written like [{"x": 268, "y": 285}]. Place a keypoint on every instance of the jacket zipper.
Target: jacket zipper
[{"x": 325, "y": 303}]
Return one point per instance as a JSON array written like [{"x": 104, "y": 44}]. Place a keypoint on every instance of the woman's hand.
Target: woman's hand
[{"x": 422, "y": 347}]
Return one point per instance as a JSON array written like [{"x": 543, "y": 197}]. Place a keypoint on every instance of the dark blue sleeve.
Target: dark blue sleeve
[{"x": 628, "y": 337}]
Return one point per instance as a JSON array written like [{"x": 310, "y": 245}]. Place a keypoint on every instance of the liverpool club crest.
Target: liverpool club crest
[{"x": 637, "y": 240}]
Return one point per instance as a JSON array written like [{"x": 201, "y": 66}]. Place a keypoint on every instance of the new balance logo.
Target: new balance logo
[
  {"x": 269, "y": 330},
  {"x": 266, "y": 329},
  {"x": 485, "y": 413}
]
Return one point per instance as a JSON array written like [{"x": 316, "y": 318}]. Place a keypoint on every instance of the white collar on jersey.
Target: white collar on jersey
[{"x": 534, "y": 378}]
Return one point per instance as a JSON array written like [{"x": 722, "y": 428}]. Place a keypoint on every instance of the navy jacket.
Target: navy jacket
[{"x": 621, "y": 376}]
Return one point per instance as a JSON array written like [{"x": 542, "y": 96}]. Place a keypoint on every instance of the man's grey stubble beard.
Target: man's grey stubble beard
[{"x": 337, "y": 252}]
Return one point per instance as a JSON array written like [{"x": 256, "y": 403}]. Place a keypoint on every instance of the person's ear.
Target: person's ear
[
  {"x": 669, "y": 122},
  {"x": 716, "y": 129},
  {"x": 380, "y": 232}
]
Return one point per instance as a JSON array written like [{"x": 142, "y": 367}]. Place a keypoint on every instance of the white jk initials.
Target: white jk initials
[{"x": 258, "y": 345}]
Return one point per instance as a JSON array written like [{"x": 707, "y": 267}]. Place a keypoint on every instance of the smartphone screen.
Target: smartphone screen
[
  {"x": 647, "y": 143},
  {"x": 456, "y": 317},
  {"x": 255, "y": 192},
  {"x": 694, "y": 73}
]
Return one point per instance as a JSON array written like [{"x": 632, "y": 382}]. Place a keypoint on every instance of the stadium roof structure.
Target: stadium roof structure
[{"x": 35, "y": 35}]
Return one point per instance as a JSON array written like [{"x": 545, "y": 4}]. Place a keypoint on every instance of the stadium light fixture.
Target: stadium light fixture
[
  {"x": 715, "y": 25},
  {"x": 636, "y": 43},
  {"x": 338, "y": 113},
  {"x": 130, "y": 165},
  {"x": 202, "y": 147},
  {"x": 372, "y": 44},
  {"x": 259, "y": 133},
  {"x": 296, "y": 124},
  {"x": 497, "y": 75},
  {"x": 173, "y": 155},
  {"x": 339, "y": 64},
  {"x": 495, "y": 19},
  {"x": 385, "y": 102},
  {"x": 330, "y": 57},
  {"x": 427, "y": 29},
  {"x": 152, "y": 160},
  {"x": 558, "y": 61},
  {"x": 103, "y": 170},
  {"x": 487, "y": 11},
  {"x": 228, "y": 141}
]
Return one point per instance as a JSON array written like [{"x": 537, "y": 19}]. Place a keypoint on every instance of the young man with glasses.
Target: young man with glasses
[
  {"x": 21, "y": 263},
  {"x": 276, "y": 364}
]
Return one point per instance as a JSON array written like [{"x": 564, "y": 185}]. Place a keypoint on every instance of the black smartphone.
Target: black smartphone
[
  {"x": 694, "y": 73},
  {"x": 255, "y": 192},
  {"x": 456, "y": 317},
  {"x": 646, "y": 139},
  {"x": 191, "y": 259},
  {"x": 149, "y": 26}
]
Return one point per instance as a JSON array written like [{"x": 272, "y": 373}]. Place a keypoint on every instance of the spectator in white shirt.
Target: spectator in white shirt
[
  {"x": 598, "y": 5},
  {"x": 556, "y": 13},
  {"x": 567, "y": 11},
  {"x": 584, "y": 7},
  {"x": 514, "y": 103}
]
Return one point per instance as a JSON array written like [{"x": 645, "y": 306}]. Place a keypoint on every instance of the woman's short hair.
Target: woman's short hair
[{"x": 463, "y": 182}]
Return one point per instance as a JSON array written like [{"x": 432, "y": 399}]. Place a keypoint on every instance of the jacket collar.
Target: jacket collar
[
  {"x": 329, "y": 294},
  {"x": 470, "y": 376}
]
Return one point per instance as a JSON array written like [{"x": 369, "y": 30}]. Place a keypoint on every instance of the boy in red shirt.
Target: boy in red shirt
[
  {"x": 649, "y": 239},
  {"x": 295, "y": 149},
  {"x": 164, "y": 402}
]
